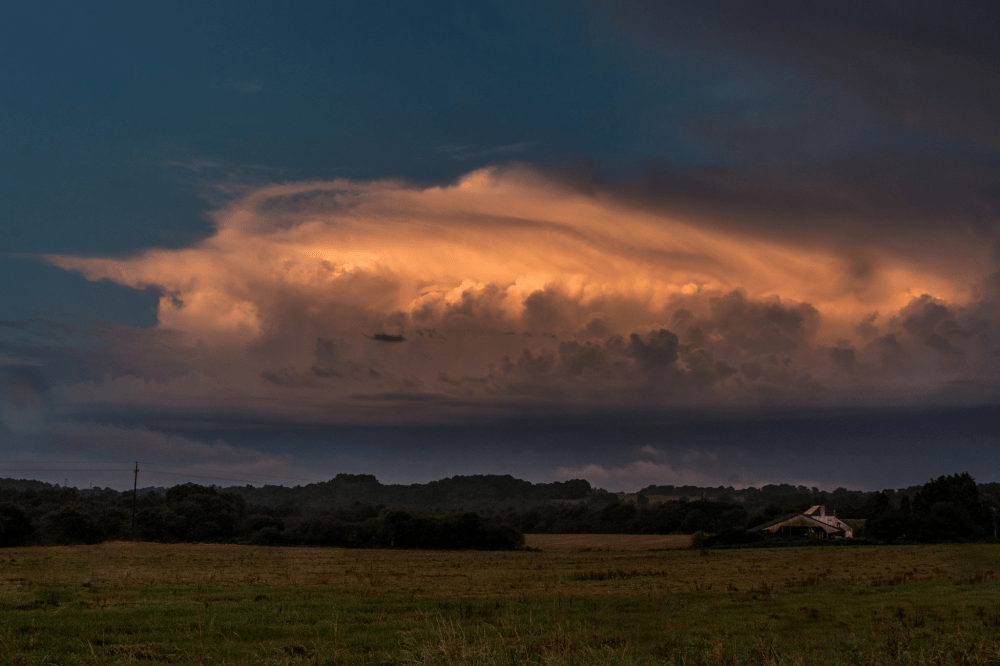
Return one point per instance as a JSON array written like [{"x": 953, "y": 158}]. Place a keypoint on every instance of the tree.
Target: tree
[
  {"x": 15, "y": 526},
  {"x": 948, "y": 509},
  {"x": 72, "y": 524},
  {"x": 695, "y": 521}
]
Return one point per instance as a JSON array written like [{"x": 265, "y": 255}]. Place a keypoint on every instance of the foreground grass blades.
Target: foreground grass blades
[{"x": 204, "y": 604}]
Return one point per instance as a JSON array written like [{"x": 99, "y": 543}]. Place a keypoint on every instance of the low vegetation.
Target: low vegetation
[{"x": 126, "y": 603}]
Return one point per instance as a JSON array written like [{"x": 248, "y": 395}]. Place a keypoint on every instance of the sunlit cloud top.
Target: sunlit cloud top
[{"x": 508, "y": 287}]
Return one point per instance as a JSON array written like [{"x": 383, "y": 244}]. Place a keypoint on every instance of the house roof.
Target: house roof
[
  {"x": 774, "y": 522},
  {"x": 800, "y": 520}
]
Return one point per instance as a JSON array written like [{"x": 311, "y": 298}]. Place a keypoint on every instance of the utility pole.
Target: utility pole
[{"x": 135, "y": 487}]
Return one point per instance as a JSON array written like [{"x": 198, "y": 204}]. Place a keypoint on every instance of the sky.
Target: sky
[{"x": 634, "y": 242}]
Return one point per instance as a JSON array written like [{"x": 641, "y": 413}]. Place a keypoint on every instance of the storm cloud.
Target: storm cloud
[
  {"x": 923, "y": 67},
  {"x": 511, "y": 287},
  {"x": 571, "y": 239}
]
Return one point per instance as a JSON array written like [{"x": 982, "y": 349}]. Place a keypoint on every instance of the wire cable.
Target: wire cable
[
  {"x": 189, "y": 472},
  {"x": 202, "y": 469}
]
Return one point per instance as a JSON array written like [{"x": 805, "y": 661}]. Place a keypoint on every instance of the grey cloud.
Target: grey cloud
[
  {"x": 890, "y": 350},
  {"x": 755, "y": 347},
  {"x": 543, "y": 312},
  {"x": 291, "y": 378},
  {"x": 109, "y": 349},
  {"x": 326, "y": 352},
  {"x": 843, "y": 358},
  {"x": 325, "y": 371},
  {"x": 870, "y": 127},
  {"x": 220, "y": 459},
  {"x": 534, "y": 365},
  {"x": 577, "y": 358},
  {"x": 927, "y": 67},
  {"x": 941, "y": 344},
  {"x": 774, "y": 377},
  {"x": 757, "y": 327},
  {"x": 923, "y": 314},
  {"x": 866, "y": 328},
  {"x": 23, "y": 396},
  {"x": 933, "y": 338},
  {"x": 598, "y": 325},
  {"x": 892, "y": 200},
  {"x": 475, "y": 307},
  {"x": 464, "y": 152},
  {"x": 654, "y": 352},
  {"x": 703, "y": 370},
  {"x": 933, "y": 323}
]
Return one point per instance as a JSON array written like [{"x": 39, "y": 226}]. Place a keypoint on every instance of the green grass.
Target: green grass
[{"x": 146, "y": 603}]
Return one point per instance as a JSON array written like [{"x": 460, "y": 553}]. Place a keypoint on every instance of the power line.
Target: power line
[
  {"x": 199, "y": 476},
  {"x": 60, "y": 469},
  {"x": 189, "y": 472},
  {"x": 236, "y": 476},
  {"x": 203, "y": 469},
  {"x": 61, "y": 462}
]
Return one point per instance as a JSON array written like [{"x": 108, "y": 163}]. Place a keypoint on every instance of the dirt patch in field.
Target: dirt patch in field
[{"x": 607, "y": 541}]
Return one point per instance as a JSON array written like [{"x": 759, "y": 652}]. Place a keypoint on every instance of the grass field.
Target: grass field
[
  {"x": 123, "y": 603},
  {"x": 585, "y": 542}
]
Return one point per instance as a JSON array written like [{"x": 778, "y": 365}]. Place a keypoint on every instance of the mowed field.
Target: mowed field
[
  {"x": 125, "y": 603},
  {"x": 607, "y": 541}
]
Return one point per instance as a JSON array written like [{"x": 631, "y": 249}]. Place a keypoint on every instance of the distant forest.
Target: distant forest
[{"x": 473, "y": 512}]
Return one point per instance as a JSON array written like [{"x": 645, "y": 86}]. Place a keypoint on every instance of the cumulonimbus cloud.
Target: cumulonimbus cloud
[{"x": 336, "y": 299}]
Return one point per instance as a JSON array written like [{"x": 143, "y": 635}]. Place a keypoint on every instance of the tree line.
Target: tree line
[
  {"x": 194, "y": 513},
  {"x": 478, "y": 492},
  {"x": 950, "y": 508}
]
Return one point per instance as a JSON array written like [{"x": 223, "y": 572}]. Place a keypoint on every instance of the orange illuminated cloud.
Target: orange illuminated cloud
[{"x": 508, "y": 286}]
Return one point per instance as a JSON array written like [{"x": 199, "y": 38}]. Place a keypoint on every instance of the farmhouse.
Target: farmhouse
[{"x": 815, "y": 523}]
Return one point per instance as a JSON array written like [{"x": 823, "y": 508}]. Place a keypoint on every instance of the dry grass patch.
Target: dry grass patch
[{"x": 584, "y": 542}]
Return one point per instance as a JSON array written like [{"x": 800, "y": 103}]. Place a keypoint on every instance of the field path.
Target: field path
[{"x": 607, "y": 541}]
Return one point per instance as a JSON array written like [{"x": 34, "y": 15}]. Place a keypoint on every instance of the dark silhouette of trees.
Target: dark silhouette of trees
[
  {"x": 74, "y": 523},
  {"x": 478, "y": 512},
  {"x": 15, "y": 526},
  {"x": 948, "y": 509}
]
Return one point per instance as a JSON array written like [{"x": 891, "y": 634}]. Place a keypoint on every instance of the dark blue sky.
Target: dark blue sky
[
  {"x": 123, "y": 118},
  {"x": 713, "y": 214}
]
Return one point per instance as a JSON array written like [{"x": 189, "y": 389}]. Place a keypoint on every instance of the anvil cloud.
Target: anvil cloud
[{"x": 348, "y": 300}]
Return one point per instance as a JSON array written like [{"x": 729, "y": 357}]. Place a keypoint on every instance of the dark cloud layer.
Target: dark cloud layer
[
  {"x": 865, "y": 128},
  {"x": 927, "y": 66},
  {"x": 23, "y": 396}
]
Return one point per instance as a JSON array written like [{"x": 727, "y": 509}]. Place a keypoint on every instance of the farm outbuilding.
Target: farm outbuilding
[{"x": 814, "y": 523}]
